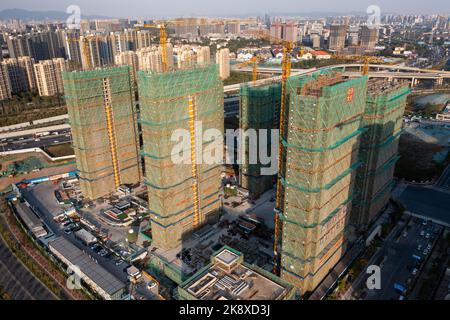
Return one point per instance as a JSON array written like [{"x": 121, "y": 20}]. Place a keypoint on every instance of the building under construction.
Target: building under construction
[
  {"x": 383, "y": 120},
  {"x": 319, "y": 161},
  {"x": 104, "y": 132},
  {"x": 259, "y": 109},
  {"x": 182, "y": 196}
]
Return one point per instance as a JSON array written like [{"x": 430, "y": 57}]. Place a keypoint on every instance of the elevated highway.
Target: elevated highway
[{"x": 414, "y": 75}]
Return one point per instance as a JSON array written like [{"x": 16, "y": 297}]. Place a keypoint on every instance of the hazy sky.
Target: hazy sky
[{"x": 151, "y": 8}]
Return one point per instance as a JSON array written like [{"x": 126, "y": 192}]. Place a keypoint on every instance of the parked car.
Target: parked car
[
  {"x": 151, "y": 285},
  {"x": 95, "y": 246},
  {"x": 119, "y": 262}
]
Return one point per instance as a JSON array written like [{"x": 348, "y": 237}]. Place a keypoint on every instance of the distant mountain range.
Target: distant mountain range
[{"x": 27, "y": 15}]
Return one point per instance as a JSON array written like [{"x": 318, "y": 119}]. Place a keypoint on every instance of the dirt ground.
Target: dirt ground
[
  {"x": 416, "y": 162},
  {"x": 51, "y": 170}
]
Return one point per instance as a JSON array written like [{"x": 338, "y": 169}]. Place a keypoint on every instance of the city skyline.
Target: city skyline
[{"x": 146, "y": 9}]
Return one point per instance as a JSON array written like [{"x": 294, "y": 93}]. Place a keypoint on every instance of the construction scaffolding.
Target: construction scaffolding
[
  {"x": 259, "y": 109},
  {"x": 182, "y": 196},
  {"x": 104, "y": 129},
  {"x": 383, "y": 120},
  {"x": 319, "y": 162}
]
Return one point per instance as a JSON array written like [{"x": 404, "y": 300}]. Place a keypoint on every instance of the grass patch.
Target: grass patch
[{"x": 122, "y": 216}]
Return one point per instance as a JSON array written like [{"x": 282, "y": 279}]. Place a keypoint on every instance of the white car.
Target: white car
[{"x": 151, "y": 285}]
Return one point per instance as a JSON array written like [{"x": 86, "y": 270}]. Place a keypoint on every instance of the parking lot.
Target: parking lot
[
  {"x": 403, "y": 259},
  {"x": 66, "y": 229}
]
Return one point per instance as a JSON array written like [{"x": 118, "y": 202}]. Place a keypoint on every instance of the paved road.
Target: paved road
[
  {"x": 398, "y": 262},
  {"x": 429, "y": 202},
  {"x": 18, "y": 281},
  {"x": 444, "y": 180},
  {"x": 28, "y": 142}
]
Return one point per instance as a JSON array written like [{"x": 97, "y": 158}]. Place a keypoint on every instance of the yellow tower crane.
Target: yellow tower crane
[
  {"x": 84, "y": 49},
  {"x": 162, "y": 42},
  {"x": 254, "y": 62},
  {"x": 163, "y": 34},
  {"x": 285, "y": 74}
]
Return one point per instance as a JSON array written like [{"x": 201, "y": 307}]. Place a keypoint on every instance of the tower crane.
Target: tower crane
[
  {"x": 254, "y": 62},
  {"x": 285, "y": 73},
  {"x": 163, "y": 35},
  {"x": 84, "y": 48}
]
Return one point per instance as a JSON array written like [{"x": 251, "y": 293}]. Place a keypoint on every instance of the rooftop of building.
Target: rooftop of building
[
  {"x": 227, "y": 277},
  {"x": 314, "y": 86},
  {"x": 87, "y": 266}
]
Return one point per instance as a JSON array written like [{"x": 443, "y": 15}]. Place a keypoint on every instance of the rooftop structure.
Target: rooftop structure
[
  {"x": 383, "y": 120},
  {"x": 184, "y": 195},
  {"x": 227, "y": 277},
  {"x": 99, "y": 279},
  {"x": 85, "y": 236},
  {"x": 33, "y": 223},
  {"x": 104, "y": 130},
  {"x": 320, "y": 156}
]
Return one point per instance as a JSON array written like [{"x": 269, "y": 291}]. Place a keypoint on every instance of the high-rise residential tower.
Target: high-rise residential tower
[
  {"x": 319, "y": 162},
  {"x": 259, "y": 110},
  {"x": 383, "y": 120},
  {"x": 103, "y": 121},
  {"x": 5, "y": 86},
  {"x": 336, "y": 41},
  {"x": 49, "y": 76},
  {"x": 223, "y": 60},
  {"x": 182, "y": 195},
  {"x": 369, "y": 38}
]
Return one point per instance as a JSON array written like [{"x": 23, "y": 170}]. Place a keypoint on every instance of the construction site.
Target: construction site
[
  {"x": 182, "y": 196},
  {"x": 383, "y": 122},
  {"x": 319, "y": 161},
  {"x": 337, "y": 151},
  {"x": 104, "y": 129},
  {"x": 258, "y": 110}
]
